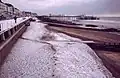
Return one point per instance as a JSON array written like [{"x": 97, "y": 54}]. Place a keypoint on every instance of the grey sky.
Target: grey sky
[{"x": 68, "y": 6}]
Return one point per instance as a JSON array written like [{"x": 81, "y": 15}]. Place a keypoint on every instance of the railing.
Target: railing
[
  {"x": 5, "y": 34},
  {"x": 6, "y": 24},
  {"x": 9, "y": 36}
]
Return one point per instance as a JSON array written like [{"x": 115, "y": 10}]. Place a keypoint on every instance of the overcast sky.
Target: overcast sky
[{"x": 70, "y": 7}]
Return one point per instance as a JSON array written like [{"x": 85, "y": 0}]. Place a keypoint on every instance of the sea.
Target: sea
[
  {"x": 104, "y": 22},
  {"x": 110, "y": 18}
]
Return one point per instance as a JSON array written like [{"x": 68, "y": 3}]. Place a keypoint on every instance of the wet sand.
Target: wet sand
[
  {"x": 111, "y": 59},
  {"x": 97, "y": 36}
]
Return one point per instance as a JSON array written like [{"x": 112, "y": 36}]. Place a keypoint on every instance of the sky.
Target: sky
[{"x": 69, "y": 7}]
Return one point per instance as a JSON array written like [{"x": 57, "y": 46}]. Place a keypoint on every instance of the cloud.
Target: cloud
[
  {"x": 43, "y": 3},
  {"x": 68, "y": 6}
]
